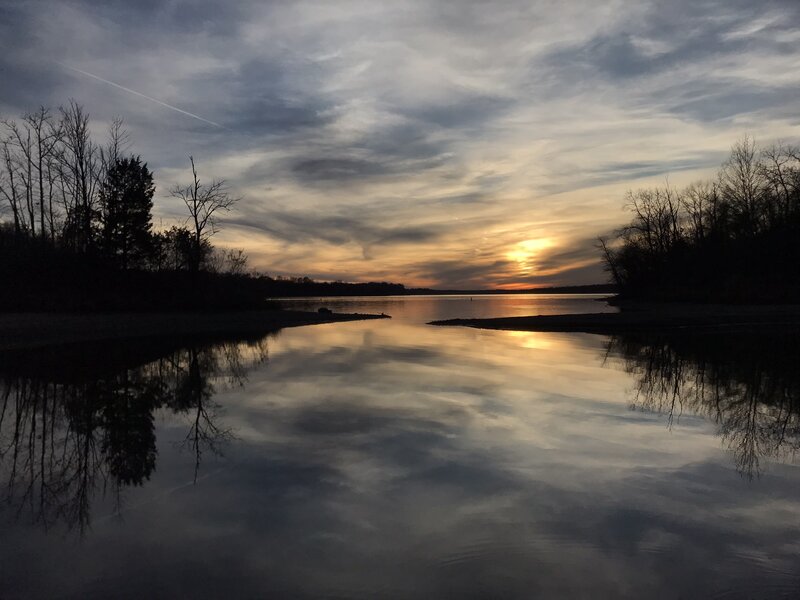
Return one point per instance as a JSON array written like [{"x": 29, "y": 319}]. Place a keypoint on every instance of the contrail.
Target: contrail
[{"x": 123, "y": 88}]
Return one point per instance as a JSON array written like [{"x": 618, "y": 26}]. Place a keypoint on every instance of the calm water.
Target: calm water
[{"x": 390, "y": 459}]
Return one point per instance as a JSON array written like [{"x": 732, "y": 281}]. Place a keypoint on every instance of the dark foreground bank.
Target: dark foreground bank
[
  {"x": 27, "y": 330},
  {"x": 650, "y": 317}
]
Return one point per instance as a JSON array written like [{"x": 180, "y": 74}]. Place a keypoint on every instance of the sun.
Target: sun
[{"x": 525, "y": 251}]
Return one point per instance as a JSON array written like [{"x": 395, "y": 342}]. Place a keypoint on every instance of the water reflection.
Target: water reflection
[
  {"x": 387, "y": 459},
  {"x": 748, "y": 384},
  {"x": 421, "y": 309},
  {"x": 75, "y": 422}
]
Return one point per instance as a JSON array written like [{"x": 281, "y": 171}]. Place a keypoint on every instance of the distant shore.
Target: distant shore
[
  {"x": 647, "y": 317},
  {"x": 592, "y": 289},
  {"x": 28, "y": 330}
]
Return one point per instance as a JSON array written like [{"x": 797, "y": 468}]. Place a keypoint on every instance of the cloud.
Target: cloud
[
  {"x": 332, "y": 169},
  {"x": 420, "y": 141},
  {"x": 339, "y": 227}
]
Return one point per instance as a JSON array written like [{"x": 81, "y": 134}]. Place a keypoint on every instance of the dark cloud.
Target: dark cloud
[
  {"x": 728, "y": 99},
  {"x": 333, "y": 169},
  {"x": 468, "y": 113},
  {"x": 263, "y": 96},
  {"x": 455, "y": 273},
  {"x": 28, "y": 79},
  {"x": 407, "y": 144},
  {"x": 619, "y": 56},
  {"x": 603, "y": 173},
  {"x": 579, "y": 252},
  {"x": 365, "y": 227},
  {"x": 592, "y": 273},
  {"x": 674, "y": 35},
  {"x": 181, "y": 17}
]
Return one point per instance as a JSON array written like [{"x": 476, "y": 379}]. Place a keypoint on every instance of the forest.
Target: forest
[
  {"x": 734, "y": 238},
  {"x": 77, "y": 227}
]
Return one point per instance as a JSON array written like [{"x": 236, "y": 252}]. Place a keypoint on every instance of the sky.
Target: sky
[{"x": 433, "y": 143}]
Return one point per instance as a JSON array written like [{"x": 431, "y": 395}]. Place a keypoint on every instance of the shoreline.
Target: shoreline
[
  {"x": 31, "y": 330},
  {"x": 652, "y": 318}
]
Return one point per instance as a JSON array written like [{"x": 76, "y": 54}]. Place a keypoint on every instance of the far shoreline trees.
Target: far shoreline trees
[{"x": 732, "y": 239}]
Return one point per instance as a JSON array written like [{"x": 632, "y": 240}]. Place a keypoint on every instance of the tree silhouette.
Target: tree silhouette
[
  {"x": 76, "y": 231},
  {"x": 79, "y": 162},
  {"x": 129, "y": 444},
  {"x": 747, "y": 384},
  {"x": 204, "y": 202},
  {"x": 736, "y": 238},
  {"x": 75, "y": 426},
  {"x": 126, "y": 196}
]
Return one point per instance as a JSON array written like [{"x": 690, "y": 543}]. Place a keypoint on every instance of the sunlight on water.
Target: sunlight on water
[
  {"x": 394, "y": 459},
  {"x": 421, "y": 309}
]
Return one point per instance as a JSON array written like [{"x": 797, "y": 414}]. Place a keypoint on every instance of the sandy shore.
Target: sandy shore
[
  {"x": 27, "y": 330},
  {"x": 651, "y": 317}
]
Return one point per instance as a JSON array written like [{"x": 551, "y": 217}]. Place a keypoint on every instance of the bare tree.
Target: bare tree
[
  {"x": 609, "y": 260},
  {"x": 9, "y": 187},
  {"x": 231, "y": 261},
  {"x": 119, "y": 142},
  {"x": 657, "y": 221},
  {"x": 700, "y": 201},
  {"x": 28, "y": 154},
  {"x": 80, "y": 167},
  {"x": 46, "y": 135},
  {"x": 781, "y": 166},
  {"x": 204, "y": 202},
  {"x": 117, "y": 145},
  {"x": 743, "y": 184},
  {"x": 19, "y": 151}
]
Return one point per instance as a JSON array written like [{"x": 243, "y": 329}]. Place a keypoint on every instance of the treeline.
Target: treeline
[
  {"x": 77, "y": 228},
  {"x": 288, "y": 287},
  {"x": 735, "y": 238},
  {"x": 596, "y": 288}
]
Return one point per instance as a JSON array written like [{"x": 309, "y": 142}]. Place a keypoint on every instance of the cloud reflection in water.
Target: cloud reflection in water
[{"x": 400, "y": 460}]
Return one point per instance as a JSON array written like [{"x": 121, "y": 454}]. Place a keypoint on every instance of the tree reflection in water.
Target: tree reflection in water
[
  {"x": 78, "y": 421},
  {"x": 746, "y": 383}
]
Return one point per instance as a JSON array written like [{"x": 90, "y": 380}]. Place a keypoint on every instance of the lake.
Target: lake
[{"x": 392, "y": 459}]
